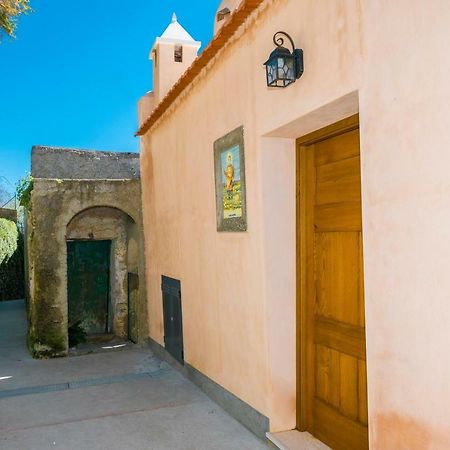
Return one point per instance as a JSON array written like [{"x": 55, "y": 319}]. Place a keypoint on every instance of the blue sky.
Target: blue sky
[{"x": 74, "y": 73}]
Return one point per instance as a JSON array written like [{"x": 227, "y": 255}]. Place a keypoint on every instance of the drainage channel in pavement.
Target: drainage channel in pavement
[{"x": 32, "y": 390}]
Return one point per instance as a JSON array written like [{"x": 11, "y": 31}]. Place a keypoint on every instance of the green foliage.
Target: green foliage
[
  {"x": 24, "y": 189},
  {"x": 77, "y": 335},
  {"x": 10, "y": 10},
  {"x": 9, "y": 235},
  {"x": 12, "y": 277}
]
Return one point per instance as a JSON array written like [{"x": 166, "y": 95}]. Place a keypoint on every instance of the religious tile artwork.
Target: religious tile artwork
[{"x": 230, "y": 182}]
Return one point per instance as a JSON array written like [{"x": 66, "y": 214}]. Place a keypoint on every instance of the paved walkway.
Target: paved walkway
[{"x": 124, "y": 400}]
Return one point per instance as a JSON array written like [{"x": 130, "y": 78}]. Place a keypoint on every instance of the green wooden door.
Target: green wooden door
[{"x": 88, "y": 265}]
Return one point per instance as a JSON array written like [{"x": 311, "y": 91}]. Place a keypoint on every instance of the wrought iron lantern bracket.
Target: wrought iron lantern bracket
[{"x": 284, "y": 66}]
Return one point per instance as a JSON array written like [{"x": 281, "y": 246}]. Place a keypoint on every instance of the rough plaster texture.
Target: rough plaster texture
[
  {"x": 146, "y": 105},
  {"x": 239, "y": 291},
  {"x": 71, "y": 164},
  {"x": 61, "y": 210}
]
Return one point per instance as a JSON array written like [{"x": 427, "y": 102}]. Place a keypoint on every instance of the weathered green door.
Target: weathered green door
[{"x": 88, "y": 284}]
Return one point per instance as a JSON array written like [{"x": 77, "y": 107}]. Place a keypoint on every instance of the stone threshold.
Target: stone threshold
[{"x": 295, "y": 440}]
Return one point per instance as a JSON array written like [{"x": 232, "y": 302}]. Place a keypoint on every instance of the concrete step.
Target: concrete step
[{"x": 295, "y": 440}]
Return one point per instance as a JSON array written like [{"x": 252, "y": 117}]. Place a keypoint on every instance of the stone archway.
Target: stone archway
[
  {"x": 69, "y": 186},
  {"x": 102, "y": 286}
]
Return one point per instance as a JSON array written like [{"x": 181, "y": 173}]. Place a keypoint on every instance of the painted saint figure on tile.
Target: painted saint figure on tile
[
  {"x": 229, "y": 168},
  {"x": 232, "y": 204}
]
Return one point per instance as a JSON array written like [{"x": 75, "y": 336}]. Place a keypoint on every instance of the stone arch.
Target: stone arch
[{"x": 112, "y": 225}]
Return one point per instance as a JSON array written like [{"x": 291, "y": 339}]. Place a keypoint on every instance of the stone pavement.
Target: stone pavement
[{"x": 120, "y": 399}]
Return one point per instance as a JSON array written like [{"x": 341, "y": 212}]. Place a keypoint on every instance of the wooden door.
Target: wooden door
[
  {"x": 88, "y": 284},
  {"x": 173, "y": 320},
  {"x": 332, "y": 404}
]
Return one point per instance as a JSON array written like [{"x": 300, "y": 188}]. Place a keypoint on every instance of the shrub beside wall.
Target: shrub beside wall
[
  {"x": 8, "y": 239},
  {"x": 12, "y": 282}
]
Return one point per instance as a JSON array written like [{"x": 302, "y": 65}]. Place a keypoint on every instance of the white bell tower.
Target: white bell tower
[{"x": 172, "y": 54}]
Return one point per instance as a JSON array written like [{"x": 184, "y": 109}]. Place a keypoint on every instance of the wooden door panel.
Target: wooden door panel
[
  {"x": 338, "y": 217},
  {"x": 338, "y": 182},
  {"x": 333, "y": 386},
  {"x": 340, "y": 191},
  {"x": 338, "y": 431},
  {"x": 339, "y": 336},
  {"x": 362, "y": 392},
  {"x": 362, "y": 306},
  {"x": 337, "y": 265},
  {"x": 337, "y": 148},
  {"x": 341, "y": 383},
  {"x": 338, "y": 171},
  {"x": 327, "y": 375},
  {"x": 349, "y": 398}
]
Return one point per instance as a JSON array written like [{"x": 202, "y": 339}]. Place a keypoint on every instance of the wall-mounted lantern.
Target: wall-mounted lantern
[{"x": 283, "y": 66}]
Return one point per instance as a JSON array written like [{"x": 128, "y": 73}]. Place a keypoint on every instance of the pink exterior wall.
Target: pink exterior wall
[
  {"x": 146, "y": 105},
  {"x": 387, "y": 61},
  {"x": 405, "y": 110}
]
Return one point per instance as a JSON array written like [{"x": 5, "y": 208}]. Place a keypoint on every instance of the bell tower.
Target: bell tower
[
  {"x": 172, "y": 54},
  {"x": 224, "y": 12}
]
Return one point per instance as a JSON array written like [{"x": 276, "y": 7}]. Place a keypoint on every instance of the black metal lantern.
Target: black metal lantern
[{"x": 283, "y": 66}]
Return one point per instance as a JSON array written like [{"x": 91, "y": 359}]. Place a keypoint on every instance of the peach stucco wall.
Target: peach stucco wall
[
  {"x": 405, "y": 110},
  {"x": 388, "y": 61}
]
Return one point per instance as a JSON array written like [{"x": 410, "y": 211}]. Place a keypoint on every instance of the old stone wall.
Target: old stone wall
[
  {"x": 10, "y": 214},
  {"x": 54, "y": 205},
  {"x": 68, "y": 164}
]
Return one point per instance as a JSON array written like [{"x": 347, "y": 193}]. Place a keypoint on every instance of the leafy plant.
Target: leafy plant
[
  {"x": 12, "y": 277},
  {"x": 9, "y": 235},
  {"x": 24, "y": 189},
  {"x": 10, "y": 10},
  {"x": 77, "y": 334}
]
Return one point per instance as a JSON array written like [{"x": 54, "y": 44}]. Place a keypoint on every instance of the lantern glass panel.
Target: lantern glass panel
[
  {"x": 271, "y": 68},
  {"x": 290, "y": 69},
  {"x": 280, "y": 68}
]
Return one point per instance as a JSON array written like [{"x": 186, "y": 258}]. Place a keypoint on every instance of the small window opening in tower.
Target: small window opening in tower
[
  {"x": 178, "y": 53},
  {"x": 155, "y": 58},
  {"x": 222, "y": 14}
]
